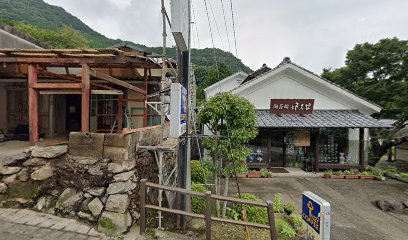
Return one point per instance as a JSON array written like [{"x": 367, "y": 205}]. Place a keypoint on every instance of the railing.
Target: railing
[{"x": 207, "y": 214}]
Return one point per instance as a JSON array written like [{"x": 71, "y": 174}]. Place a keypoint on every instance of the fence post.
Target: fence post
[
  {"x": 207, "y": 215},
  {"x": 272, "y": 225},
  {"x": 142, "y": 194}
]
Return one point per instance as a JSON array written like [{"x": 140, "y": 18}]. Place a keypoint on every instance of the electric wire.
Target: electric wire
[
  {"x": 195, "y": 24},
  {"x": 216, "y": 25},
  {"x": 233, "y": 28},
  {"x": 225, "y": 23},
  {"x": 212, "y": 40}
]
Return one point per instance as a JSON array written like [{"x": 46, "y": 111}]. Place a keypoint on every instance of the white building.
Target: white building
[{"x": 303, "y": 118}]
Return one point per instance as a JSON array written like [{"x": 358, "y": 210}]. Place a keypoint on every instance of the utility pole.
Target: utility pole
[{"x": 183, "y": 66}]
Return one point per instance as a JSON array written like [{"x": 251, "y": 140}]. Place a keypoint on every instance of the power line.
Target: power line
[
  {"x": 195, "y": 24},
  {"x": 225, "y": 23},
  {"x": 216, "y": 24},
  {"x": 233, "y": 27},
  {"x": 212, "y": 39}
]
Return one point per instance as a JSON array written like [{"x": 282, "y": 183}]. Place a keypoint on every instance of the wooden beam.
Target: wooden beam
[
  {"x": 85, "y": 98},
  {"x": 73, "y": 79},
  {"x": 56, "y": 85},
  {"x": 59, "y": 92},
  {"x": 116, "y": 81},
  {"x": 32, "y": 105},
  {"x": 145, "y": 98},
  {"x": 107, "y": 92}
]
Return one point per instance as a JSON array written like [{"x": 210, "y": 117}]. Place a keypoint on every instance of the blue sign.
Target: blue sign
[
  {"x": 183, "y": 106},
  {"x": 311, "y": 213}
]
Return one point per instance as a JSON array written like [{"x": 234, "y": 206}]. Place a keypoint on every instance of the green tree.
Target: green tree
[
  {"x": 232, "y": 121},
  {"x": 379, "y": 73},
  {"x": 207, "y": 76}
]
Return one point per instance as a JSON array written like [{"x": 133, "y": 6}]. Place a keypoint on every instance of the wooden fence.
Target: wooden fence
[{"x": 207, "y": 214}]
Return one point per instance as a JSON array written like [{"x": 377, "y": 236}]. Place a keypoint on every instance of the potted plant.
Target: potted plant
[
  {"x": 269, "y": 174},
  {"x": 328, "y": 174},
  {"x": 263, "y": 172},
  {"x": 337, "y": 175},
  {"x": 366, "y": 175},
  {"x": 253, "y": 174},
  {"x": 348, "y": 174}
]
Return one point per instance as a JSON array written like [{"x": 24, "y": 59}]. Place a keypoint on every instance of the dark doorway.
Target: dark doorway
[
  {"x": 277, "y": 148},
  {"x": 73, "y": 117}
]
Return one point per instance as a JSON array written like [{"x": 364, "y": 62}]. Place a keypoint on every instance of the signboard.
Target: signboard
[
  {"x": 316, "y": 216},
  {"x": 178, "y": 110},
  {"x": 292, "y": 106},
  {"x": 180, "y": 23}
]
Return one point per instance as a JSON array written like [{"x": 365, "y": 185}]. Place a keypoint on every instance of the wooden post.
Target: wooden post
[
  {"x": 86, "y": 89},
  {"x": 269, "y": 155},
  {"x": 142, "y": 206},
  {"x": 272, "y": 225},
  {"x": 145, "y": 98},
  {"x": 361, "y": 149},
  {"x": 32, "y": 105},
  {"x": 284, "y": 146},
  {"x": 51, "y": 119},
  {"x": 207, "y": 214},
  {"x": 317, "y": 150},
  {"x": 120, "y": 114}
]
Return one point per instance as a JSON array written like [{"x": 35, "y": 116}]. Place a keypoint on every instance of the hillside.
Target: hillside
[{"x": 43, "y": 15}]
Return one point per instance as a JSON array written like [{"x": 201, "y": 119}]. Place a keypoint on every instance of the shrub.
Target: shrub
[
  {"x": 254, "y": 214},
  {"x": 284, "y": 229},
  {"x": 348, "y": 172},
  {"x": 288, "y": 207},
  {"x": 198, "y": 203},
  {"x": 391, "y": 169},
  {"x": 337, "y": 173},
  {"x": 263, "y": 172},
  {"x": 404, "y": 175},
  {"x": 197, "y": 172},
  {"x": 296, "y": 219},
  {"x": 377, "y": 172},
  {"x": 277, "y": 203}
]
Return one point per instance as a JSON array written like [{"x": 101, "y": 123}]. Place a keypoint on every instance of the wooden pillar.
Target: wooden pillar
[
  {"x": 51, "y": 120},
  {"x": 362, "y": 160},
  {"x": 284, "y": 160},
  {"x": 145, "y": 98},
  {"x": 269, "y": 147},
  {"x": 120, "y": 113},
  {"x": 32, "y": 105},
  {"x": 317, "y": 150},
  {"x": 86, "y": 90}
]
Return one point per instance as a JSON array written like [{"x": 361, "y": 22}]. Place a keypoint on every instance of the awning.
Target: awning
[{"x": 319, "y": 119}]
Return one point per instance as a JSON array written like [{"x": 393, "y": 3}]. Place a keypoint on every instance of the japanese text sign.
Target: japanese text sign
[
  {"x": 292, "y": 106},
  {"x": 316, "y": 216}
]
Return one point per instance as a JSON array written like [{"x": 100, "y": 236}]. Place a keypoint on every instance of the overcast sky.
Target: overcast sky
[{"x": 313, "y": 33}]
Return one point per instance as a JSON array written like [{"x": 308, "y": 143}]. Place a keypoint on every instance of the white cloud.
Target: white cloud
[{"x": 314, "y": 33}]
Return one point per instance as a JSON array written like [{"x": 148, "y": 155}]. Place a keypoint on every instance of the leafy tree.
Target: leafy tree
[
  {"x": 66, "y": 37},
  {"x": 207, "y": 76},
  {"x": 232, "y": 121},
  {"x": 379, "y": 73}
]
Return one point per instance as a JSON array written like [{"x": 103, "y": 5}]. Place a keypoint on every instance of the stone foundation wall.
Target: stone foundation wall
[{"x": 95, "y": 179}]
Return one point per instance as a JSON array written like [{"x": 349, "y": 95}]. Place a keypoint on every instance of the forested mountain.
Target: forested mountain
[{"x": 54, "y": 25}]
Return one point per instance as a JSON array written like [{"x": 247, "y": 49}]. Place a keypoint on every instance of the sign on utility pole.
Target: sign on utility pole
[
  {"x": 316, "y": 216},
  {"x": 180, "y": 27},
  {"x": 178, "y": 110}
]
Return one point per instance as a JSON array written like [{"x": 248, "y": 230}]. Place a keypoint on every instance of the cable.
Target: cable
[
  {"x": 216, "y": 24},
  {"x": 225, "y": 23},
  {"x": 195, "y": 24},
  {"x": 233, "y": 27},
  {"x": 212, "y": 39}
]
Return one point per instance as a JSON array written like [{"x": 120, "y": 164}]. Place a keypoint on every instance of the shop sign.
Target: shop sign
[
  {"x": 292, "y": 106},
  {"x": 316, "y": 216},
  {"x": 178, "y": 110}
]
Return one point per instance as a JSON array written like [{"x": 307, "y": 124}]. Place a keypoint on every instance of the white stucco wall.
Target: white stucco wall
[{"x": 225, "y": 85}]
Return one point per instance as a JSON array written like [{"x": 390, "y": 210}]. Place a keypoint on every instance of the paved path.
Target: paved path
[
  {"x": 23, "y": 224},
  {"x": 354, "y": 215}
]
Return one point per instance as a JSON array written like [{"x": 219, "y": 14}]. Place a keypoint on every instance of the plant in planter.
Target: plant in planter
[
  {"x": 263, "y": 172},
  {"x": 366, "y": 175},
  {"x": 288, "y": 208},
  {"x": 253, "y": 174},
  {"x": 269, "y": 174},
  {"x": 378, "y": 174},
  {"x": 337, "y": 175},
  {"x": 328, "y": 174},
  {"x": 348, "y": 174}
]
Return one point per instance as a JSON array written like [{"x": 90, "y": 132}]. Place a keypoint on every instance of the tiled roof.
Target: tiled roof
[{"x": 319, "y": 119}]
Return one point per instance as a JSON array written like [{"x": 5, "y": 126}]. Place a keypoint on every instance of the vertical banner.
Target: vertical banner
[
  {"x": 178, "y": 110},
  {"x": 180, "y": 23},
  {"x": 316, "y": 216}
]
